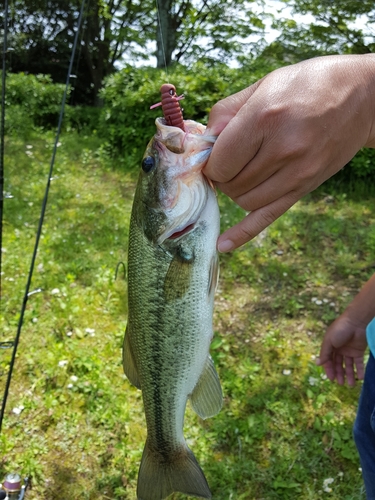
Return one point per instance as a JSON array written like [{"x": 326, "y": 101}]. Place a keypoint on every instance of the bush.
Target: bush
[
  {"x": 82, "y": 118},
  {"x": 127, "y": 123},
  {"x": 35, "y": 101},
  {"x": 356, "y": 179},
  {"x": 35, "y": 96}
]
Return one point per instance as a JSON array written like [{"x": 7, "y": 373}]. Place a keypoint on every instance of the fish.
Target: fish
[{"x": 173, "y": 270}]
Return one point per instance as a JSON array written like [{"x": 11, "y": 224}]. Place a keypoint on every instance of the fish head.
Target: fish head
[{"x": 172, "y": 189}]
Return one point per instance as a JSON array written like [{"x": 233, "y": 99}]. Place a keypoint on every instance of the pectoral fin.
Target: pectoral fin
[
  {"x": 214, "y": 275},
  {"x": 128, "y": 362},
  {"x": 178, "y": 278},
  {"x": 207, "y": 397}
]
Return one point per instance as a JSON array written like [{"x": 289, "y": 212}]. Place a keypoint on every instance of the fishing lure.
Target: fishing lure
[{"x": 171, "y": 106}]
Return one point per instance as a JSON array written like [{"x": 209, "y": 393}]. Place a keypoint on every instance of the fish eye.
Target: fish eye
[{"x": 148, "y": 164}]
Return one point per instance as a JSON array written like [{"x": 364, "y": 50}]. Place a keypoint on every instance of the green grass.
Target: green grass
[{"x": 283, "y": 430}]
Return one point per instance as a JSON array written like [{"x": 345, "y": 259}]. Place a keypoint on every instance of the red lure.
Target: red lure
[{"x": 171, "y": 107}]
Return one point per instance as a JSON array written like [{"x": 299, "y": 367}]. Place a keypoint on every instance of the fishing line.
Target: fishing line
[
  {"x": 78, "y": 58},
  {"x": 2, "y": 134},
  {"x": 161, "y": 37},
  {"x": 41, "y": 220}
]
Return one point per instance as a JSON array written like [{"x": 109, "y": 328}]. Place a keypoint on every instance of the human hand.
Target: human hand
[
  {"x": 285, "y": 135},
  {"x": 342, "y": 350}
]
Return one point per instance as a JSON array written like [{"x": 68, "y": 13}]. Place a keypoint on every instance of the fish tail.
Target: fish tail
[{"x": 159, "y": 476}]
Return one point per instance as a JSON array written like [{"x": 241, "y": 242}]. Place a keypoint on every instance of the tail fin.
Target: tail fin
[{"x": 159, "y": 477}]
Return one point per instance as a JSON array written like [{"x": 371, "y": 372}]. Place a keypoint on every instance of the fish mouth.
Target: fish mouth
[{"x": 186, "y": 230}]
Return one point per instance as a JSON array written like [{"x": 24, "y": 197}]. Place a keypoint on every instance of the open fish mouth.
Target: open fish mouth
[{"x": 186, "y": 230}]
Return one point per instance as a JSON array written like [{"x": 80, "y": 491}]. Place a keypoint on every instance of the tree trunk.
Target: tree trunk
[{"x": 165, "y": 36}]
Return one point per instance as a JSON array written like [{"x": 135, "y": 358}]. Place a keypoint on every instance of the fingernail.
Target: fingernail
[{"x": 225, "y": 246}]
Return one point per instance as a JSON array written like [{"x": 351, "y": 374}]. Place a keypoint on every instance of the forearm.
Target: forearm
[
  {"x": 362, "y": 308},
  {"x": 368, "y": 75}
]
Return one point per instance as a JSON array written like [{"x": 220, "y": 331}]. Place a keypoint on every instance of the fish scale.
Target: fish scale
[{"x": 171, "y": 284}]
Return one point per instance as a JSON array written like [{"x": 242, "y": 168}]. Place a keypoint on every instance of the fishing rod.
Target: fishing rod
[{"x": 12, "y": 488}]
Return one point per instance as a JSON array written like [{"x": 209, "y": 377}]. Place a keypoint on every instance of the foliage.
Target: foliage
[
  {"x": 189, "y": 31},
  {"x": 34, "y": 97},
  {"x": 356, "y": 178},
  {"x": 42, "y": 34},
  {"x": 333, "y": 30},
  {"x": 76, "y": 425},
  {"x": 127, "y": 124},
  {"x": 34, "y": 102}
]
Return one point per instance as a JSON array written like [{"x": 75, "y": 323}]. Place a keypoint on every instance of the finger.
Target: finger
[
  {"x": 349, "y": 371},
  {"x": 326, "y": 352},
  {"x": 339, "y": 369},
  {"x": 325, "y": 359},
  {"x": 262, "y": 182},
  {"x": 223, "y": 111},
  {"x": 330, "y": 370},
  {"x": 360, "y": 367},
  {"x": 236, "y": 145},
  {"x": 254, "y": 223}
]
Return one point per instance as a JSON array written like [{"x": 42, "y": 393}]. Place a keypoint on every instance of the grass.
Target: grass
[{"x": 79, "y": 430}]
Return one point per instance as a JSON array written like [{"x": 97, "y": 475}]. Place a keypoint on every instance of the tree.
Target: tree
[
  {"x": 211, "y": 29},
  {"x": 335, "y": 30},
  {"x": 42, "y": 32}
]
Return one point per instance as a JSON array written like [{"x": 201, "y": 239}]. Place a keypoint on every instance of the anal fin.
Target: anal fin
[{"x": 207, "y": 397}]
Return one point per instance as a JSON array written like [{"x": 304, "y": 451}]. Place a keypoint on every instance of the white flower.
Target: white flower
[
  {"x": 63, "y": 362},
  {"x": 318, "y": 302},
  {"x": 74, "y": 378},
  {"x": 70, "y": 386},
  {"x": 18, "y": 411},
  {"x": 326, "y": 482},
  {"x": 313, "y": 380},
  {"x": 55, "y": 291},
  {"x": 69, "y": 334},
  {"x": 287, "y": 372}
]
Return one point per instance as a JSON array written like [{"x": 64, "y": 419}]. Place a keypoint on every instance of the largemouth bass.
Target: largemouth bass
[{"x": 172, "y": 276}]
